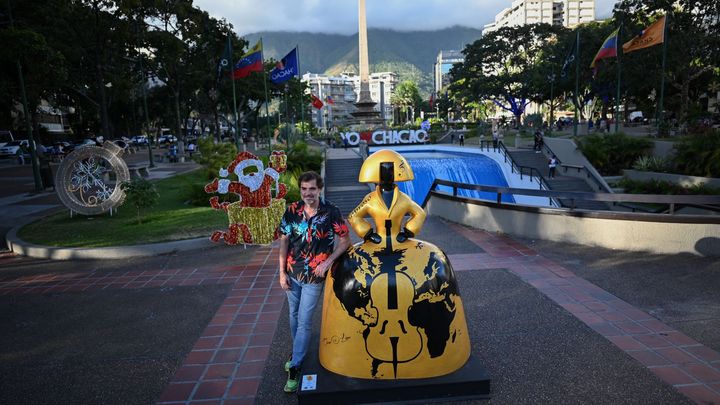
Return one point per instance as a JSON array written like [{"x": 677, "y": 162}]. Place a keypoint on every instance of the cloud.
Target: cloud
[{"x": 340, "y": 16}]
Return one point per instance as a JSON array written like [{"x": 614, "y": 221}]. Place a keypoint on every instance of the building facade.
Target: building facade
[
  {"x": 389, "y": 82},
  {"x": 441, "y": 69},
  {"x": 568, "y": 13},
  {"x": 339, "y": 94}
]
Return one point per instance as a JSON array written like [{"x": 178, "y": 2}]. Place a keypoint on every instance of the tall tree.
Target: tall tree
[
  {"x": 693, "y": 42},
  {"x": 407, "y": 97},
  {"x": 500, "y": 67}
]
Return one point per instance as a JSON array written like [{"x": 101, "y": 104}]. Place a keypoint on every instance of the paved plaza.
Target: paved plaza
[{"x": 552, "y": 323}]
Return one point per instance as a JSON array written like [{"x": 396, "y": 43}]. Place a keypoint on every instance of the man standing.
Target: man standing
[{"x": 313, "y": 235}]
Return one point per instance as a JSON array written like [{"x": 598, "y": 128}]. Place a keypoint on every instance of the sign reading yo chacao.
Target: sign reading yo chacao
[{"x": 386, "y": 137}]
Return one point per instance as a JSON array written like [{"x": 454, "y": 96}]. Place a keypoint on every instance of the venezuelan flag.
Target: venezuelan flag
[
  {"x": 250, "y": 62},
  {"x": 608, "y": 48}
]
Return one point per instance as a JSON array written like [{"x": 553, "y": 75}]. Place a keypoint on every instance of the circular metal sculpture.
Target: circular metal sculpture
[
  {"x": 88, "y": 179},
  {"x": 392, "y": 307}
]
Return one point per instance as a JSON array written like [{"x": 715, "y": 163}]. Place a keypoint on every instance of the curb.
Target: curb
[{"x": 18, "y": 246}]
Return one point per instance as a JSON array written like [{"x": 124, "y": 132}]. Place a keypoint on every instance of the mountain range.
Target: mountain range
[{"x": 410, "y": 54}]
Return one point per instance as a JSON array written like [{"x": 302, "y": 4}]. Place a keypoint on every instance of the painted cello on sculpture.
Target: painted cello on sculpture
[{"x": 392, "y": 308}]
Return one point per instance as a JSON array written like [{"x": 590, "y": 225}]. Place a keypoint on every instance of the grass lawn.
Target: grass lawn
[{"x": 171, "y": 219}]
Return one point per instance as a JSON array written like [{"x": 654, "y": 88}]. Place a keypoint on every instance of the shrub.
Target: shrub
[
  {"x": 699, "y": 154},
  {"x": 533, "y": 120},
  {"x": 290, "y": 178},
  {"x": 302, "y": 158},
  {"x": 664, "y": 187},
  {"x": 141, "y": 194},
  {"x": 653, "y": 164},
  {"x": 214, "y": 156},
  {"x": 612, "y": 153}
]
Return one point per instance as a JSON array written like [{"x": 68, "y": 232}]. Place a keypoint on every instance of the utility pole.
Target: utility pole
[
  {"x": 145, "y": 106},
  {"x": 28, "y": 119},
  {"x": 552, "y": 111}
]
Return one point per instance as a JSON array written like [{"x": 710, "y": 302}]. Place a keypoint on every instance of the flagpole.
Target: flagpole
[
  {"x": 577, "y": 81},
  {"x": 287, "y": 117},
  {"x": 619, "y": 76},
  {"x": 302, "y": 93},
  {"x": 267, "y": 111},
  {"x": 662, "y": 77},
  {"x": 232, "y": 79}
]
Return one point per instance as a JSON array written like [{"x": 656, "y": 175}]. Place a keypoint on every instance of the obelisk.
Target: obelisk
[
  {"x": 365, "y": 113},
  {"x": 363, "y": 46}
]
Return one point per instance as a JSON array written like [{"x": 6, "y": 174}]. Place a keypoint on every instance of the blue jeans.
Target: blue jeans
[{"x": 302, "y": 300}]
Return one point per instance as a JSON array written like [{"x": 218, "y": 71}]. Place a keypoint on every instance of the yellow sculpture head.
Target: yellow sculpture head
[{"x": 370, "y": 170}]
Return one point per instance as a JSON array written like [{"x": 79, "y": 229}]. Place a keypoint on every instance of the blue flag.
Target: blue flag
[{"x": 286, "y": 69}]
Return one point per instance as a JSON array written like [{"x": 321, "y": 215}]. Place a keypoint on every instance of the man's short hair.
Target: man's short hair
[{"x": 310, "y": 176}]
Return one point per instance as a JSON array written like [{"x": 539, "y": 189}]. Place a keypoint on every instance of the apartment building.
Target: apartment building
[{"x": 568, "y": 13}]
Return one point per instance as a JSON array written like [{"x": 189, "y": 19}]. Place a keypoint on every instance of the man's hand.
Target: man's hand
[
  {"x": 323, "y": 268},
  {"x": 284, "y": 281}
]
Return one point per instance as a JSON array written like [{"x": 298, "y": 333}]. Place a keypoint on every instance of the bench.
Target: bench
[{"x": 139, "y": 170}]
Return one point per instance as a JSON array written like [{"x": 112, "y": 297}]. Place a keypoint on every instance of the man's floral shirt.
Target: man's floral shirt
[{"x": 312, "y": 240}]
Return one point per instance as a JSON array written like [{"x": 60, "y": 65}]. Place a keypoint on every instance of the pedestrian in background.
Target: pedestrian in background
[
  {"x": 552, "y": 164},
  {"x": 461, "y": 139}
]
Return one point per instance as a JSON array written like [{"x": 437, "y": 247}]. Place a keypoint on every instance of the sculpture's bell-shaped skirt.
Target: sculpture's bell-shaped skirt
[{"x": 393, "y": 311}]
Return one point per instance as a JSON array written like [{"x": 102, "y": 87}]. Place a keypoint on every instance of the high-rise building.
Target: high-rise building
[
  {"x": 568, "y": 13},
  {"x": 441, "y": 70}
]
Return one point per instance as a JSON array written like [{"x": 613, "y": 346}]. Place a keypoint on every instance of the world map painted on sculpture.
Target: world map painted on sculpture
[{"x": 433, "y": 304}]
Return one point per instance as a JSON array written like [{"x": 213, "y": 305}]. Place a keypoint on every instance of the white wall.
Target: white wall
[{"x": 646, "y": 233}]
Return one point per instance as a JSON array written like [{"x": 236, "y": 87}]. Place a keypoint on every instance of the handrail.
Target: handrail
[
  {"x": 534, "y": 173},
  {"x": 672, "y": 200},
  {"x": 588, "y": 173}
]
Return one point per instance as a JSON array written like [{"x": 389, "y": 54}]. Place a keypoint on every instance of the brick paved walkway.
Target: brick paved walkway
[{"x": 226, "y": 364}]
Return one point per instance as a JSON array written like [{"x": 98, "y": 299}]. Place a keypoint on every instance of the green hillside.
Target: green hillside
[{"x": 411, "y": 54}]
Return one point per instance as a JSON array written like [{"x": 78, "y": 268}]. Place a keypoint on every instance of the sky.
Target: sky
[{"x": 340, "y": 16}]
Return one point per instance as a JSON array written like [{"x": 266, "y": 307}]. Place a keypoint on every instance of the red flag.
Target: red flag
[{"x": 316, "y": 102}]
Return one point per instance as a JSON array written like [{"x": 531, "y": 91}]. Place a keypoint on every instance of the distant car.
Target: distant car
[
  {"x": 5, "y": 137},
  {"x": 139, "y": 140},
  {"x": 636, "y": 117},
  {"x": 13, "y": 148},
  {"x": 80, "y": 144},
  {"x": 168, "y": 138}
]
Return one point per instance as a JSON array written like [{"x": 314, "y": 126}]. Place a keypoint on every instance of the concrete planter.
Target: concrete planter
[{"x": 681, "y": 179}]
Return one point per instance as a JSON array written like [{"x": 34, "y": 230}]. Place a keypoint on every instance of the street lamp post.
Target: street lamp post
[
  {"x": 145, "y": 106},
  {"x": 551, "y": 78},
  {"x": 147, "y": 116}
]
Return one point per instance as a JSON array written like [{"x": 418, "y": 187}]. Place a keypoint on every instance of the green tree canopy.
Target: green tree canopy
[{"x": 501, "y": 66}]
